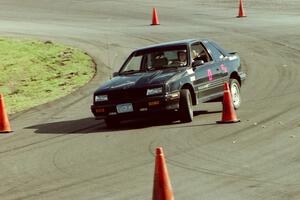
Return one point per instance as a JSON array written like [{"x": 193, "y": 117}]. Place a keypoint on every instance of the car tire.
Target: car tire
[
  {"x": 112, "y": 122},
  {"x": 235, "y": 90},
  {"x": 185, "y": 106}
]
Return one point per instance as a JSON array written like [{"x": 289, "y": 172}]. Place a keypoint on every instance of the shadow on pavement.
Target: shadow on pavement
[
  {"x": 86, "y": 125},
  {"x": 90, "y": 125}
]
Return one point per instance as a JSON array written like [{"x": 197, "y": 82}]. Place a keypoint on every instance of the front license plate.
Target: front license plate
[{"x": 124, "y": 108}]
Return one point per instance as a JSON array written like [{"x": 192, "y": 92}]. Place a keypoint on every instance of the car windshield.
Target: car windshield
[{"x": 156, "y": 59}]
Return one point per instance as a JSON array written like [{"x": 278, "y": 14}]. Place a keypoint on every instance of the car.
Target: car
[{"x": 169, "y": 78}]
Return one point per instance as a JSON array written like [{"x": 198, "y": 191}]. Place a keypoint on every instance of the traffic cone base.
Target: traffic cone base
[
  {"x": 228, "y": 113},
  {"x": 4, "y": 123},
  {"x": 7, "y": 131},
  {"x": 228, "y": 122},
  {"x": 241, "y": 16},
  {"x": 155, "y": 20}
]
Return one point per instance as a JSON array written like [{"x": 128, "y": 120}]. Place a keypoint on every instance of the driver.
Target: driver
[{"x": 182, "y": 57}]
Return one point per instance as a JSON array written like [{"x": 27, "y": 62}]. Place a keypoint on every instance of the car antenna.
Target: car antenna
[{"x": 108, "y": 53}]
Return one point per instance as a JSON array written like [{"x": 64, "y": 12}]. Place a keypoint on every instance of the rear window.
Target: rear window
[
  {"x": 215, "y": 52},
  {"x": 220, "y": 49}
]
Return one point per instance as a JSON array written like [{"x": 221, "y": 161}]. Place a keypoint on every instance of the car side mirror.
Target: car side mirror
[
  {"x": 197, "y": 63},
  {"x": 115, "y": 74}
]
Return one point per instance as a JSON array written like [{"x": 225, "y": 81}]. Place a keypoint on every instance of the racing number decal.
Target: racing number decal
[
  {"x": 224, "y": 68},
  {"x": 209, "y": 74}
]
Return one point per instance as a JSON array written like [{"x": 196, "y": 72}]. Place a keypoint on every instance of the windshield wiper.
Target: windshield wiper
[
  {"x": 156, "y": 68},
  {"x": 163, "y": 68},
  {"x": 130, "y": 71}
]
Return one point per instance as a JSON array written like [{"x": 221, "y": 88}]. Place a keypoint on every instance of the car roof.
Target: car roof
[{"x": 170, "y": 44}]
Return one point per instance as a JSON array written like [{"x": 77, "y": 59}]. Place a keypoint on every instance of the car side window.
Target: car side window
[{"x": 198, "y": 52}]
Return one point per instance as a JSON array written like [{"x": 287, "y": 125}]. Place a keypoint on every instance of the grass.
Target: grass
[{"x": 35, "y": 72}]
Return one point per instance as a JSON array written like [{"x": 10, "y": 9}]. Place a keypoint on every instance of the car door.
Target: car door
[
  {"x": 218, "y": 68},
  {"x": 208, "y": 76}
]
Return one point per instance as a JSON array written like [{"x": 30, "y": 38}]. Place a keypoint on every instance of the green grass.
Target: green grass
[{"x": 36, "y": 72}]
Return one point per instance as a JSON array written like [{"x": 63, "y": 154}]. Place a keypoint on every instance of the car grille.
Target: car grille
[{"x": 125, "y": 96}]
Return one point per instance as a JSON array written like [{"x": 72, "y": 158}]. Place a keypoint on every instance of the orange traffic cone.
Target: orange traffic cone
[
  {"x": 228, "y": 114},
  {"x": 4, "y": 123},
  {"x": 162, "y": 189},
  {"x": 154, "y": 18},
  {"x": 241, "y": 10}
]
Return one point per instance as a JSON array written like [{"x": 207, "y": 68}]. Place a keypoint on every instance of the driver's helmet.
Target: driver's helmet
[{"x": 181, "y": 53}]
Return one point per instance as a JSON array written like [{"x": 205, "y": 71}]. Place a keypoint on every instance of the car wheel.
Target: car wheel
[
  {"x": 185, "y": 106},
  {"x": 235, "y": 90},
  {"x": 112, "y": 122}
]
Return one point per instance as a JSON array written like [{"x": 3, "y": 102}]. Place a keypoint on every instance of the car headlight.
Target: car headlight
[
  {"x": 101, "y": 98},
  {"x": 154, "y": 91}
]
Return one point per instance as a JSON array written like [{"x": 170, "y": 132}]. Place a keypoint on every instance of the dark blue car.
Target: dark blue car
[{"x": 170, "y": 78}]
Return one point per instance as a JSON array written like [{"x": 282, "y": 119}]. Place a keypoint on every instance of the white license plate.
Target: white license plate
[{"x": 124, "y": 108}]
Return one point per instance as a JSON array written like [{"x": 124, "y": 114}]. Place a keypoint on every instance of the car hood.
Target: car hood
[{"x": 138, "y": 80}]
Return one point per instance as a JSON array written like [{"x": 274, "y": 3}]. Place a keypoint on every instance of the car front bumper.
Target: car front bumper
[{"x": 141, "y": 108}]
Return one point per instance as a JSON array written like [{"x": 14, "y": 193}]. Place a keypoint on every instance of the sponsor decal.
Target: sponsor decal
[{"x": 203, "y": 87}]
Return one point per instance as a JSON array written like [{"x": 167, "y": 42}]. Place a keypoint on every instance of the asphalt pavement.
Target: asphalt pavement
[{"x": 58, "y": 151}]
